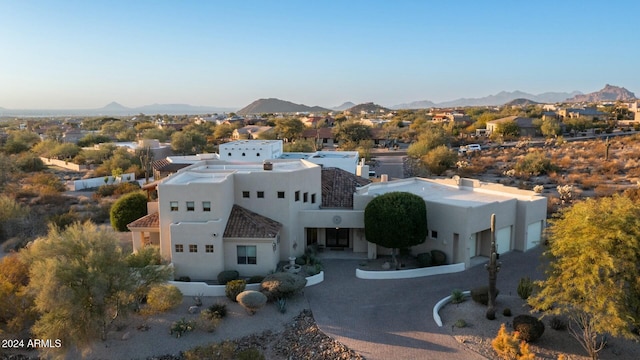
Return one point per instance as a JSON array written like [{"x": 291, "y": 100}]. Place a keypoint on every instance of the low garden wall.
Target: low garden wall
[
  {"x": 440, "y": 304},
  {"x": 411, "y": 273},
  {"x": 63, "y": 164},
  {"x": 196, "y": 288}
]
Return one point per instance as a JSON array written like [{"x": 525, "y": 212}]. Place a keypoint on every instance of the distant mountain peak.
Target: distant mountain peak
[
  {"x": 608, "y": 93},
  {"x": 273, "y": 105},
  {"x": 114, "y": 106},
  {"x": 344, "y": 106}
]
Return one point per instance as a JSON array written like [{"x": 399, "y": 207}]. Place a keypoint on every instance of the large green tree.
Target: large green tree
[
  {"x": 593, "y": 276},
  {"x": 81, "y": 284},
  {"x": 396, "y": 220},
  {"x": 289, "y": 129},
  {"x": 128, "y": 208}
]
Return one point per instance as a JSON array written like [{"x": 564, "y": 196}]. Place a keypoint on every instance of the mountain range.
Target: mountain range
[
  {"x": 273, "y": 105},
  {"x": 498, "y": 99},
  {"x": 116, "y": 109}
]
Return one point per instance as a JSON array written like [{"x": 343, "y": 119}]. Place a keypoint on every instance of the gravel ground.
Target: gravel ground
[{"x": 479, "y": 332}]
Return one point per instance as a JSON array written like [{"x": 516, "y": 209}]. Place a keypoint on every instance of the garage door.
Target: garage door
[
  {"x": 503, "y": 240},
  {"x": 534, "y": 235},
  {"x": 473, "y": 245}
]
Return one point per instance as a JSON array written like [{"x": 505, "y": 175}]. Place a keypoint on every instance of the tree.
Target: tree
[
  {"x": 439, "y": 159},
  {"x": 289, "y": 129},
  {"x": 79, "y": 273},
  {"x": 550, "y": 127},
  {"x": 431, "y": 136},
  {"x": 351, "y": 132},
  {"x": 507, "y": 129},
  {"x": 15, "y": 303},
  {"x": 396, "y": 220},
  {"x": 127, "y": 209},
  {"x": 592, "y": 276},
  {"x": 187, "y": 142}
]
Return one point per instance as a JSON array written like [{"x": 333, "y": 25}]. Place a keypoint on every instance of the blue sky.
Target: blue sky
[{"x": 85, "y": 54}]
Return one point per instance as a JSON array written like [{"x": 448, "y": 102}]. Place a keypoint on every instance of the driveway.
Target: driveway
[{"x": 392, "y": 319}]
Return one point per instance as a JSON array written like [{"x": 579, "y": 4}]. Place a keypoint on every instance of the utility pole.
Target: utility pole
[{"x": 493, "y": 267}]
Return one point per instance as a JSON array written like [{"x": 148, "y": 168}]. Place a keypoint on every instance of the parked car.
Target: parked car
[{"x": 469, "y": 148}]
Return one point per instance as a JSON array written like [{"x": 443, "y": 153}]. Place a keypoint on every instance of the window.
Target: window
[
  {"x": 305, "y": 197},
  {"x": 246, "y": 254},
  {"x": 206, "y": 206},
  {"x": 245, "y": 194},
  {"x": 229, "y": 154},
  {"x": 280, "y": 194},
  {"x": 313, "y": 198},
  {"x": 434, "y": 234},
  {"x": 260, "y": 194},
  {"x": 243, "y": 154},
  {"x": 193, "y": 248},
  {"x": 208, "y": 248},
  {"x": 173, "y": 205},
  {"x": 258, "y": 154},
  {"x": 297, "y": 196},
  {"x": 191, "y": 206},
  {"x": 179, "y": 248}
]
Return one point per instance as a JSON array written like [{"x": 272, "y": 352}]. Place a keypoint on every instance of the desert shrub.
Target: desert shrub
[
  {"x": 255, "y": 279},
  {"x": 529, "y": 328},
  {"x": 148, "y": 255},
  {"x": 127, "y": 209},
  {"x": 250, "y": 354},
  {"x": 227, "y": 275},
  {"x": 311, "y": 270},
  {"x": 506, "y": 312},
  {"x": 480, "y": 294},
  {"x": 209, "y": 320},
  {"x": 534, "y": 163},
  {"x": 65, "y": 219},
  {"x": 509, "y": 347},
  {"x": 233, "y": 288},
  {"x": 457, "y": 296},
  {"x": 439, "y": 159},
  {"x": 525, "y": 288},
  {"x": 460, "y": 323},
  {"x": 424, "y": 260},
  {"x": 282, "y": 285},
  {"x": 126, "y": 187},
  {"x": 164, "y": 297},
  {"x": 557, "y": 323},
  {"x": 218, "y": 351},
  {"x": 282, "y": 305},
  {"x": 218, "y": 309},
  {"x": 105, "y": 190},
  {"x": 251, "y": 300},
  {"x": 438, "y": 257},
  {"x": 182, "y": 326}
]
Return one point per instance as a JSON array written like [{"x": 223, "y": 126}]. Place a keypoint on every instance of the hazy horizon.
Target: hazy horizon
[{"x": 85, "y": 55}]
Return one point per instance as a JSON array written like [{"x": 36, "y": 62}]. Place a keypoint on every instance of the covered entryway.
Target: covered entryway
[{"x": 337, "y": 237}]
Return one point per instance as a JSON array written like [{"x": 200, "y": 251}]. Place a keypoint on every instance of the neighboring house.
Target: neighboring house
[
  {"x": 249, "y": 132},
  {"x": 218, "y": 215},
  {"x": 634, "y": 107},
  {"x": 526, "y": 125},
  {"x": 589, "y": 113},
  {"x": 322, "y": 136}
]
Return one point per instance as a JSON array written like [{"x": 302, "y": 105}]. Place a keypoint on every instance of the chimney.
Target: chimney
[
  {"x": 384, "y": 178},
  {"x": 267, "y": 165}
]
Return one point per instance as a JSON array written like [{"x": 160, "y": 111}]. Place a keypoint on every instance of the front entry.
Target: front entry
[{"x": 337, "y": 237}]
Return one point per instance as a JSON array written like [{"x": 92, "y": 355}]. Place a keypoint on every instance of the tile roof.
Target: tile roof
[
  {"x": 338, "y": 187},
  {"x": 165, "y": 165},
  {"x": 244, "y": 223},
  {"x": 147, "y": 221}
]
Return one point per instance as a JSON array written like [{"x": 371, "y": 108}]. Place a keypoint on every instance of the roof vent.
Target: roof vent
[{"x": 267, "y": 166}]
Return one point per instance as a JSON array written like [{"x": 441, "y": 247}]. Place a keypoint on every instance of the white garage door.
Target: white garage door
[
  {"x": 473, "y": 245},
  {"x": 534, "y": 235},
  {"x": 503, "y": 240}
]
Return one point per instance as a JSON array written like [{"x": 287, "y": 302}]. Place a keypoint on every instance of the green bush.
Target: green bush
[
  {"x": 282, "y": 285},
  {"x": 438, "y": 257},
  {"x": 525, "y": 288},
  {"x": 233, "y": 288},
  {"x": 534, "y": 164},
  {"x": 162, "y": 298},
  {"x": 529, "y": 328},
  {"x": 457, "y": 296},
  {"x": 126, "y": 187},
  {"x": 148, "y": 255},
  {"x": 128, "y": 208},
  {"x": 218, "y": 309},
  {"x": 178, "y": 328},
  {"x": 460, "y": 323},
  {"x": 480, "y": 294},
  {"x": 252, "y": 300},
  {"x": 424, "y": 260},
  {"x": 208, "y": 320},
  {"x": 105, "y": 190},
  {"x": 227, "y": 275}
]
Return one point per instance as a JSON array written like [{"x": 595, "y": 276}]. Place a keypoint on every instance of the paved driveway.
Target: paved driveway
[{"x": 392, "y": 319}]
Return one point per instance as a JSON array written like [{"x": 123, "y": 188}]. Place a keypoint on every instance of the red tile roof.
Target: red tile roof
[
  {"x": 147, "y": 221},
  {"x": 244, "y": 223},
  {"x": 338, "y": 187}
]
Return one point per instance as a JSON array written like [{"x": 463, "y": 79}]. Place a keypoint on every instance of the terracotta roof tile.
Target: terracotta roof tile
[
  {"x": 147, "y": 221},
  {"x": 244, "y": 223},
  {"x": 338, "y": 187}
]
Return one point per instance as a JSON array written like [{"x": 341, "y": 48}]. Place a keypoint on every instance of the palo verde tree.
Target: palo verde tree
[
  {"x": 396, "y": 220},
  {"x": 592, "y": 276},
  {"x": 80, "y": 281}
]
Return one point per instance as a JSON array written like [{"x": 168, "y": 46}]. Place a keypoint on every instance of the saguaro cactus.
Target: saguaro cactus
[{"x": 493, "y": 267}]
